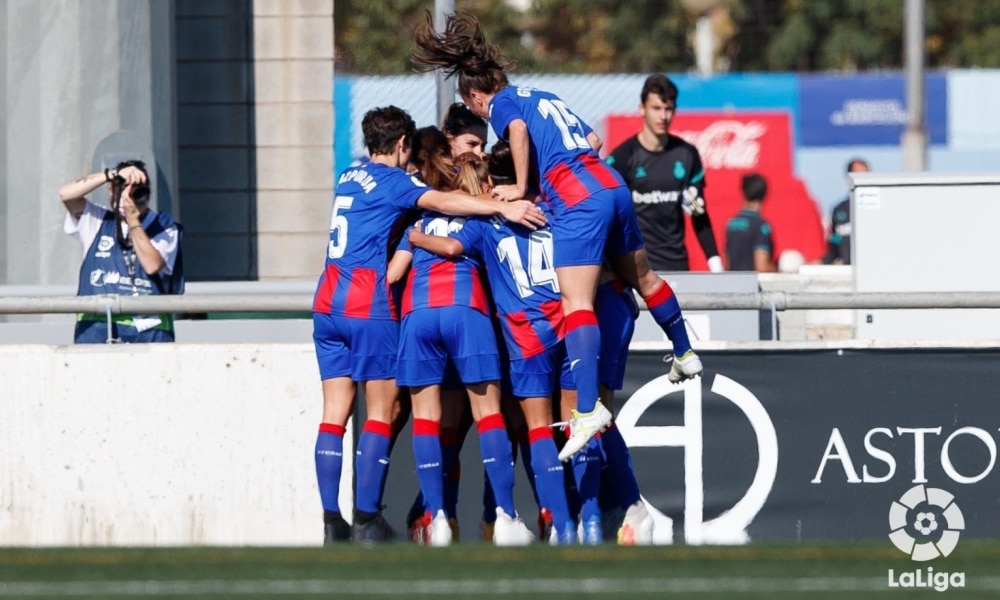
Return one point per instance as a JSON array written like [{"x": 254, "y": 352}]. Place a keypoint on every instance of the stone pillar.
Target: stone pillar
[
  {"x": 85, "y": 83},
  {"x": 293, "y": 83}
]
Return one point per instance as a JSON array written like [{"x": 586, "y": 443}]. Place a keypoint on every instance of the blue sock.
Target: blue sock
[
  {"x": 498, "y": 458},
  {"x": 371, "y": 465},
  {"x": 427, "y": 455},
  {"x": 529, "y": 468},
  {"x": 583, "y": 348},
  {"x": 572, "y": 496},
  {"x": 452, "y": 469},
  {"x": 587, "y": 472},
  {"x": 549, "y": 476},
  {"x": 666, "y": 311},
  {"x": 620, "y": 470},
  {"x": 329, "y": 464},
  {"x": 489, "y": 499}
]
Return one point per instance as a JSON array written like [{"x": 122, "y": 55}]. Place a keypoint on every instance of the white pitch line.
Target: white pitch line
[{"x": 484, "y": 587}]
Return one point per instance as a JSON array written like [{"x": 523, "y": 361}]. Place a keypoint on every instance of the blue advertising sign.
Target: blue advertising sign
[
  {"x": 738, "y": 91},
  {"x": 853, "y": 110}
]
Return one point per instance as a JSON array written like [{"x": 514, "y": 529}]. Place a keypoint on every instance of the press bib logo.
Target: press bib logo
[{"x": 925, "y": 523}]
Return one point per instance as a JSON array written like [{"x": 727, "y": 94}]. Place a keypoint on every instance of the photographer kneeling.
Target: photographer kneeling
[{"x": 129, "y": 250}]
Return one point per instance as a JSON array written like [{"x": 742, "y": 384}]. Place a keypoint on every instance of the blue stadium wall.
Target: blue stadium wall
[{"x": 835, "y": 117}]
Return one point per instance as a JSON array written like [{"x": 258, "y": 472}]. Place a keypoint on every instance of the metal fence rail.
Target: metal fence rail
[{"x": 295, "y": 303}]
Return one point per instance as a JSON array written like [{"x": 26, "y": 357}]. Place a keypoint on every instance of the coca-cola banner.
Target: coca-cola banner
[
  {"x": 809, "y": 445},
  {"x": 732, "y": 144},
  {"x": 859, "y": 109}
]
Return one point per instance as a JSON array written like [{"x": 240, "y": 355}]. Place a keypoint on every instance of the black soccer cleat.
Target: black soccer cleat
[
  {"x": 335, "y": 529},
  {"x": 372, "y": 529}
]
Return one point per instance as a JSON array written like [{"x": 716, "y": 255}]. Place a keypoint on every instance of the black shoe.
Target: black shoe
[
  {"x": 372, "y": 529},
  {"x": 335, "y": 529}
]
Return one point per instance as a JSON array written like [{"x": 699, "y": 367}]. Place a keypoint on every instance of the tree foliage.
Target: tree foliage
[{"x": 608, "y": 36}]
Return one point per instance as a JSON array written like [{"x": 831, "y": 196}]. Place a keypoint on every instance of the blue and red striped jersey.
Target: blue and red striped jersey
[
  {"x": 434, "y": 282},
  {"x": 569, "y": 169},
  {"x": 522, "y": 280},
  {"x": 369, "y": 200}
]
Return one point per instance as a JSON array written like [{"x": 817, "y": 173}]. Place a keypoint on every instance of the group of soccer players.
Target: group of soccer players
[{"x": 546, "y": 274}]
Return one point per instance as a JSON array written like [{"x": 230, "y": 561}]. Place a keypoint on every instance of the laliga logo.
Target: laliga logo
[
  {"x": 925, "y": 523},
  {"x": 729, "y": 527},
  {"x": 105, "y": 243},
  {"x": 930, "y": 514}
]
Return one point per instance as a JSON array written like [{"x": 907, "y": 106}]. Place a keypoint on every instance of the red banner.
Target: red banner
[{"x": 732, "y": 145}]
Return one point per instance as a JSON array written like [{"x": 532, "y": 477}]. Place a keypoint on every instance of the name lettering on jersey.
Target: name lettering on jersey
[
  {"x": 361, "y": 176},
  {"x": 524, "y": 92},
  {"x": 497, "y": 221},
  {"x": 656, "y": 197},
  {"x": 442, "y": 226}
]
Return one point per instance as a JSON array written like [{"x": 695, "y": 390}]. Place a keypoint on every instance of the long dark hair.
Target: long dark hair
[
  {"x": 461, "y": 49},
  {"x": 431, "y": 157}
]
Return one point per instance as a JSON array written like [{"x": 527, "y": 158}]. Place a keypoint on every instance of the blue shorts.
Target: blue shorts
[
  {"x": 363, "y": 349},
  {"x": 537, "y": 376},
  {"x": 605, "y": 221},
  {"x": 431, "y": 336},
  {"x": 616, "y": 314}
]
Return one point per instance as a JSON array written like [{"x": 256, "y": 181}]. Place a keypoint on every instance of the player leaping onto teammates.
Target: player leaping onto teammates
[
  {"x": 590, "y": 203},
  {"x": 356, "y": 325}
]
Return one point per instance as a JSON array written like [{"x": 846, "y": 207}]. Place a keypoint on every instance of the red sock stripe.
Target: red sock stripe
[
  {"x": 426, "y": 427},
  {"x": 449, "y": 436},
  {"x": 490, "y": 422},
  {"x": 539, "y": 433},
  {"x": 332, "y": 428},
  {"x": 661, "y": 295},
  {"x": 580, "y": 318},
  {"x": 378, "y": 428}
]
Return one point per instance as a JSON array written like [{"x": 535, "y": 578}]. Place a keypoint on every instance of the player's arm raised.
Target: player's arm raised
[{"x": 522, "y": 212}]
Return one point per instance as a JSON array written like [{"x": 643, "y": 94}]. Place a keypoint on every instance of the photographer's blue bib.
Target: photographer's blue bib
[{"x": 110, "y": 269}]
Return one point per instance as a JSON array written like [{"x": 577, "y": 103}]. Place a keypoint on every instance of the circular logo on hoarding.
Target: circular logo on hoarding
[{"x": 925, "y": 523}]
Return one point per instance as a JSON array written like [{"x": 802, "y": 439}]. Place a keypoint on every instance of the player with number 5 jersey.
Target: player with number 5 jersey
[
  {"x": 591, "y": 205},
  {"x": 356, "y": 326}
]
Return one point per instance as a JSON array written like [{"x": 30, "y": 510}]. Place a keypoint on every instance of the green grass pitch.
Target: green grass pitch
[{"x": 476, "y": 571}]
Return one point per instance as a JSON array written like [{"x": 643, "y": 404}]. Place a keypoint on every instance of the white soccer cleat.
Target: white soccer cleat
[
  {"x": 511, "y": 531},
  {"x": 440, "y": 531},
  {"x": 637, "y": 528},
  {"x": 583, "y": 427},
  {"x": 684, "y": 367}
]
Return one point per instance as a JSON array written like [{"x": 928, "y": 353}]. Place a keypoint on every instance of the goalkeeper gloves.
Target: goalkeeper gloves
[{"x": 692, "y": 202}]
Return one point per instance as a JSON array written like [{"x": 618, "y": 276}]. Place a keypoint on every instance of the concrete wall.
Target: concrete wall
[
  {"x": 230, "y": 100},
  {"x": 255, "y": 136},
  {"x": 160, "y": 445},
  {"x": 85, "y": 83},
  {"x": 293, "y": 83}
]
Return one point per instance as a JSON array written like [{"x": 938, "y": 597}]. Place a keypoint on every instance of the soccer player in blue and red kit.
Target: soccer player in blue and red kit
[
  {"x": 355, "y": 322},
  {"x": 518, "y": 264},
  {"x": 446, "y": 317},
  {"x": 591, "y": 205}
]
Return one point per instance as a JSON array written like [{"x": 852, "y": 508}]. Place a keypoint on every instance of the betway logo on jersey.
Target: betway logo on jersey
[
  {"x": 655, "y": 197},
  {"x": 728, "y": 144}
]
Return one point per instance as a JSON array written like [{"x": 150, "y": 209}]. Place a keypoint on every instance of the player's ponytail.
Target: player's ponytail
[{"x": 461, "y": 49}]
